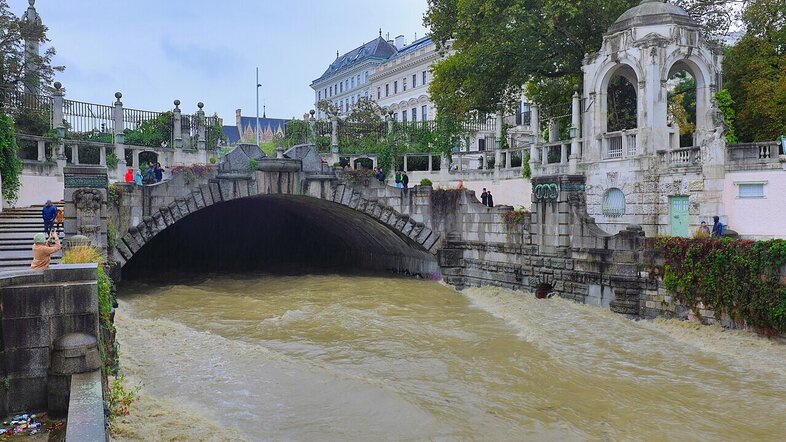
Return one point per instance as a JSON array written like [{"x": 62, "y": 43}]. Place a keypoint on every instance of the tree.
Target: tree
[
  {"x": 365, "y": 111},
  {"x": 328, "y": 107},
  {"x": 755, "y": 72},
  {"x": 15, "y": 68},
  {"x": 501, "y": 45}
]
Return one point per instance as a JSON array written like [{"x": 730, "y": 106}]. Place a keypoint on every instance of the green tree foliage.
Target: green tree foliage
[
  {"x": 622, "y": 110},
  {"x": 755, "y": 72},
  {"x": 14, "y": 66},
  {"x": 726, "y": 106},
  {"x": 10, "y": 165},
  {"x": 152, "y": 132},
  {"x": 366, "y": 111}
]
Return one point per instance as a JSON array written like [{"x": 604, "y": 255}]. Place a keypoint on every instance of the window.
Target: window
[
  {"x": 424, "y": 113},
  {"x": 366, "y": 77},
  {"x": 353, "y": 100},
  {"x": 331, "y": 91},
  {"x": 358, "y": 79},
  {"x": 423, "y": 81},
  {"x": 404, "y": 83},
  {"x": 754, "y": 189},
  {"x": 414, "y": 114},
  {"x": 319, "y": 95},
  {"x": 387, "y": 89},
  {"x": 395, "y": 116},
  {"x": 404, "y": 116},
  {"x": 414, "y": 80},
  {"x": 353, "y": 82},
  {"x": 346, "y": 85},
  {"x": 395, "y": 87},
  {"x": 365, "y": 94},
  {"x": 341, "y": 89},
  {"x": 379, "y": 93},
  {"x": 613, "y": 203}
]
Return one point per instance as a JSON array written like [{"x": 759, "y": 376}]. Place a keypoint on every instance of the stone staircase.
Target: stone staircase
[{"x": 17, "y": 227}]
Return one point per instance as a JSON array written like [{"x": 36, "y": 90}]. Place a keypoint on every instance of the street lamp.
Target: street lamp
[
  {"x": 573, "y": 132},
  {"x": 532, "y": 139},
  {"x": 256, "y": 128}
]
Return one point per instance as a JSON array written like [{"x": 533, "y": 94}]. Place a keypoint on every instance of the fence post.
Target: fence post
[
  {"x": 177, "y": 128},
  {"x": 41, "y": 150},
  {"x": 405, "y": 163},
  {"x": 334, "y": 134},
  {"x": 201, "y": 127},
  {"x": 430, "y": 165},
  {"x": 120, "y": 136}
]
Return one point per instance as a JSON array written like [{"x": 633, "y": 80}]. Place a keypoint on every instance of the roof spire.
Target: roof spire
[
  {"x": 380, "y": 32},
  {"x": 336, "y": 54}
]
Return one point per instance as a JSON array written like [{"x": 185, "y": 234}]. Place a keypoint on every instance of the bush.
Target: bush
[
  {"x": 426, "y": 182},
  {"x": 213, "y": 160},
  {"x": 10, "y": 164},
  {"x": 82, "y": 255}
]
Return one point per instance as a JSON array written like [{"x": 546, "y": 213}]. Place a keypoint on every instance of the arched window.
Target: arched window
[{"x": 613, "y": 203}]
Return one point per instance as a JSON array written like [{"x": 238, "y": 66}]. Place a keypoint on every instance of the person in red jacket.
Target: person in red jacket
[{"x": 129, "y": 176}]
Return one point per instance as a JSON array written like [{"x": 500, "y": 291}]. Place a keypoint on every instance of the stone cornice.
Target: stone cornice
[{"x": 393, "y": 69}]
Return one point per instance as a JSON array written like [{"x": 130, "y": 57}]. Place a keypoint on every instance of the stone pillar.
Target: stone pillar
[
  {"x": 120, "y": 150},
  {"x": 102, "y": 156},
  {"x": 135, "y": 159},
  {"x": 177, "y": 128},
  {"x": 58, "y": 150},
  {"x": 41, "y": 150},
  {"x": 334, "y": 134},
  {"x": 201, "y": 127},
  {"x": 430, "y": 165},
  {"x": 575, "y": 122},
  {"x": 31, "y": 79},
  {"x": 85, "y": 192},
  {"x": 535, "y": 127},
  {"x": 405, "y": 164},
  {"x": 498, "y": 133}
]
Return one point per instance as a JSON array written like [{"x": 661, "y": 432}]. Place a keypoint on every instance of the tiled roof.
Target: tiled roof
[
  {"x": 232, "y": 134},
  {"x": 378, "y": 49}
]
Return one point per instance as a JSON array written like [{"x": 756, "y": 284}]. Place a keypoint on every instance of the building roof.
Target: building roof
[
  {"x": 414, "y": 46},
  {"x": 377, "y": 49},
  {"x": 653, "y": 12}
]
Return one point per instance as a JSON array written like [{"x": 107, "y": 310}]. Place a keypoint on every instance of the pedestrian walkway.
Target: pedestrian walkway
[{"x": 17, "y": 227}]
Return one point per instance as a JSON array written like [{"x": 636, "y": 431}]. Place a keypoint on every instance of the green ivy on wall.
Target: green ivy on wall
[
  {"x": 739, "y": 278},
  {"x": 10, "y": 164}
]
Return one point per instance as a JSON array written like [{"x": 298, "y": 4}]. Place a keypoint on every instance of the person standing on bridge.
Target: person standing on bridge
[
  {"x": 43, "y": 250},
  {"x": 48, "y": 213},
  {"x": 159, "y": 171},
  {"x": 484, "y": 197},
  {"x": 129, "y": 175},
  {"x": 489, "y": 199},
  {"x": 138, "y": 178},
  {"x": 405, "y": 182}
]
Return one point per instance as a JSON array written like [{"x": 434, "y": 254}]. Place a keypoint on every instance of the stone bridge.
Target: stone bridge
[{"x": 294, "y": 209}]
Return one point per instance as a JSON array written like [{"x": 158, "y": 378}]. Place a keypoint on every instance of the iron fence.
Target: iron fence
[
  {"x": 32, "y": 112},
  {"x": 84, "y": 120}
]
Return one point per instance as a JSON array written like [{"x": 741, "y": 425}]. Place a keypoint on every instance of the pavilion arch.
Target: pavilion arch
[
  {"x": 628, "y": 71},
  {"x": 698, "y": 68}
]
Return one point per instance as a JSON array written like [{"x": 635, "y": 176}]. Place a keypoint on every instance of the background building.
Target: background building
[
  {"x": 346, "y": 80},
  {"x": 243, "y": 130}
]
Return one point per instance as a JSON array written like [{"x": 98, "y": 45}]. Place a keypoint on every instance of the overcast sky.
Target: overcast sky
[{"x": 154, "y": 51}]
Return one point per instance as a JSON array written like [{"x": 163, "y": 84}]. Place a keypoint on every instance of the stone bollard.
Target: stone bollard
[{"x": 72, "y": 353}]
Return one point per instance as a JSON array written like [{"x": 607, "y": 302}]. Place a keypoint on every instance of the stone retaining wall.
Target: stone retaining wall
[{"x": 38, "y": 307}]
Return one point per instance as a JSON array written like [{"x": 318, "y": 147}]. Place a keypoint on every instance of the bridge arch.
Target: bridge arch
[{"x": 228, "y": 220}]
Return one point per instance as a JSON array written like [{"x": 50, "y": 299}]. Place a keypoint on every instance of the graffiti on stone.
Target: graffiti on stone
[{"x": 546, "y": 192}]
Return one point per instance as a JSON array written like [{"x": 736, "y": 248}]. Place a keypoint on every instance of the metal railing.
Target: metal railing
[
  {"x": 35, "y": 109},
  {"x": 83, "y": 120}
]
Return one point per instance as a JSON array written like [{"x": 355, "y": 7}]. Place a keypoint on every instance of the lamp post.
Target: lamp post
[{"x": 256, "y": 127}]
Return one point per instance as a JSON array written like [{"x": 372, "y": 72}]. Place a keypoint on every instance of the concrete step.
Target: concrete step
[{"x": 12, "y": 234}]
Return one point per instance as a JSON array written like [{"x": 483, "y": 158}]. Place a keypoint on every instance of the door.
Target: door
[{"x": 678, "y": 210}]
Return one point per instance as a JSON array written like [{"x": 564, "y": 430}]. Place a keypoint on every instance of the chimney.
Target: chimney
[
  {"x": 238, "y": 123},
  {"x": 401, "y": 42}
]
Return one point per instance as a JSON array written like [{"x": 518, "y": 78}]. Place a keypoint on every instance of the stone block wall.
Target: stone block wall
[{"x": 38, "y": 307}]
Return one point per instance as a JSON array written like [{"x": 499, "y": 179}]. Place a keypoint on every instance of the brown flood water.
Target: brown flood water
[{"x": 322, "y": 358}]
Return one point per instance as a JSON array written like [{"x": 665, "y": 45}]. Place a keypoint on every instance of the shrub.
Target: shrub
[
  {"x": 426, "y": 182},
  {"x": 111, "y": 160},
  {"x": 213, "y": 160},
  {"x": 739, "y": 278},
  {"x": 82, "y": 255},
  {"x": 518, "y": 217}
]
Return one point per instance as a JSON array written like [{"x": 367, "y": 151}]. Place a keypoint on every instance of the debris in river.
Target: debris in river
[{"x": 27, "y": 424}]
